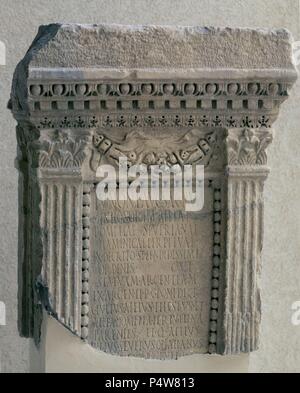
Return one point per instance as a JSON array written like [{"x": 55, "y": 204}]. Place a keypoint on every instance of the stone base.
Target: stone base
[{"x": 62, "y": 352}]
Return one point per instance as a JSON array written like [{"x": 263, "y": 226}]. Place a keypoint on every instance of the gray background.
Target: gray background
[{"x": 19, "y": 20}]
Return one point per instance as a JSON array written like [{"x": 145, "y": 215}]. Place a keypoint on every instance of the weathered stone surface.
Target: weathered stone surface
[
  {"x": 87, "y": 95},
  {"x": 149, "y": 278},
  {"x": 117, "y": 46},
  {"x": 91, "y": 52}
]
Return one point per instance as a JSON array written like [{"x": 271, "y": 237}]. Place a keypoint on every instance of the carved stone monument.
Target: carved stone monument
[{"x": 146, "y": 279}]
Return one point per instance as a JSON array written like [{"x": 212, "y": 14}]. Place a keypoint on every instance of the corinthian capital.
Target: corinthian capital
[{"x": 247, "y": 146}]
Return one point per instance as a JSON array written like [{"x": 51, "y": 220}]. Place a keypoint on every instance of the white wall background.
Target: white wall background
[{"x": 19, "y": 20}]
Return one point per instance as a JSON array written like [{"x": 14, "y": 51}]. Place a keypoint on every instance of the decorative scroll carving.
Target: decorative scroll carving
[{"x": 140, "y": 148}]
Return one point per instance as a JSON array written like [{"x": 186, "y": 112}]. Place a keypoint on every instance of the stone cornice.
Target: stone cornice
[
  {"x": 84, "y": 104},
  {"x": 218, "y": 77},
  {"x": 149, "y": 74}
]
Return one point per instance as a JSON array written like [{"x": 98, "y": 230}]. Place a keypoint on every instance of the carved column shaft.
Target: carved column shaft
[
  {"x": 61, "y": 226},
  {"x": 244, "y": 242},
  {"x": 246, "y": 173}
]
